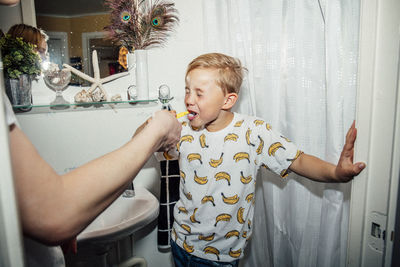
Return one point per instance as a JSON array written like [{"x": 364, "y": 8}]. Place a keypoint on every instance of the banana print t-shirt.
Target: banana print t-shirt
[{"x": 213, "y": 218}]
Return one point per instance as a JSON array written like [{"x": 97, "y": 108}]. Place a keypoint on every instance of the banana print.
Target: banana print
[
  {"x": 167, "y": 156},
  {"x": 223, "y": 176},
  {"x": 185, "y": 138},
  {"x": 188, "y": 196},
  {"x": 241, "y": 155},
  {"x": 244, "y": 235},
  {"x": 260, "y": 146},
  {"x": 284, "y": 173},
  {"x": 202, "y": 139},
  {"x": 186, "y": 228},
  {"x": 184, "y": 123},
  {"x": 188, "y": 249},
  {"x": 207, "y": 238},
  {"x": 230, "y": 200},
  {"x": 249, "y": 224},
  {"x": 193, "y": 218},
  {"x": 265, "y": 166},
  {"x": 208, "y": 199},
  {"x": 268, "y": 126},
  {"x": 249, "y": 197},
  {"x": 238, "y": 124},
  {"x": 216, "y": 162},
  {"x": 222, "y": 217},
  {"x": 298, "y": 153},
  {"x": 194, "y": 156},
  {"x": 182, "y": 209},
  {"x": 258, "y": 122},
  {"x": 183, "y": 175},
  {"x": 286, "y": 139},
  {"x": 212, "y": 250},
  {"x": 231, "y": 137},
  {"x": 232, "y": 233},
  {"x": 200, "y": 180},
  {"x": 235, "y": 253},
  {"x": 240, "y": 218},
  {"x": 274, "y": 147},
  {"x": 245, "y": 180},
  {"x": 248, "y": 133}
]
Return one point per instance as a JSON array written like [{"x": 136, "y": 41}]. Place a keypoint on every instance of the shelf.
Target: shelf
[{"x": 45, "y": 108}]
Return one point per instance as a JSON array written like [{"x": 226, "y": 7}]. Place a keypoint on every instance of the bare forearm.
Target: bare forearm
[
  {"x": 314, "y": 169},
  {"x": 53, "y": 207}
]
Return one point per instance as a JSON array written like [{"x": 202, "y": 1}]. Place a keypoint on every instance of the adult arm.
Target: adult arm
[
  {"x": 9, "y": 2},
  {"x": 322, "y": 171},
  {"x": 54, "y": 208}
]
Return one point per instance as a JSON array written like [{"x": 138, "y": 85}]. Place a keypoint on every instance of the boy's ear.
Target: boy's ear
[{"x": 230, "y": 100}]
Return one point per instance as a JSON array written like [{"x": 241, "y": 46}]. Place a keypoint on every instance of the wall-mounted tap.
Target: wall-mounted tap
[{"x": 164, "y": 96}]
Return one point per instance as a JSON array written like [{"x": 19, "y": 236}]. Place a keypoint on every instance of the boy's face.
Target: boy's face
[{"x": 204, "y": 99}]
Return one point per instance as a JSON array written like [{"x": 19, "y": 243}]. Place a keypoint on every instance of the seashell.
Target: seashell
[
  {"x": 82, "y": 97},
  {"x": 98, "y": 96},
  {"x": 116, "y": 97}
]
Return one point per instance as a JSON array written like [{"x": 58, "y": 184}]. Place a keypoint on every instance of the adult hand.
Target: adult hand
[
  {"x": 9, "y": 2},
  {"x": 165, "y": 123},
  {"x": 345, "y": 169}
]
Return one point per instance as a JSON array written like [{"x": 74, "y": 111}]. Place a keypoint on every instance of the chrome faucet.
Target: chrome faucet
[{"x": 129, "y": 191}]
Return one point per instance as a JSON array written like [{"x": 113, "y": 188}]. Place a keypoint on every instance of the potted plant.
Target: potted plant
[{"x": 21, "y": 64}]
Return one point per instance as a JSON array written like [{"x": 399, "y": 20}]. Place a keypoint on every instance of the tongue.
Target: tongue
[{"x": 191, "y": 116}]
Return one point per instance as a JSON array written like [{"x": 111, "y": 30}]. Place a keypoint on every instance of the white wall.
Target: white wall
[
  {"x": 9, "y": 16},
  {"x": 69, "y": 139}
]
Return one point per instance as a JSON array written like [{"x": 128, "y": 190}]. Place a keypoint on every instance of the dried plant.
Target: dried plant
[{"x": 141, "y": 24}]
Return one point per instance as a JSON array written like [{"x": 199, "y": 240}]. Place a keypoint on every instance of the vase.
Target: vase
[
  {"x": 19, "y": 91},
  {"x": 142, "y": 76}
]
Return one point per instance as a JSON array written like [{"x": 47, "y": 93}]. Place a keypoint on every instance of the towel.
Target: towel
[{"x": 169, "y": 195}]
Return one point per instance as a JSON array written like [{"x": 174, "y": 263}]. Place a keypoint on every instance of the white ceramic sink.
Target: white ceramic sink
[{"x": 123, "y": 217}]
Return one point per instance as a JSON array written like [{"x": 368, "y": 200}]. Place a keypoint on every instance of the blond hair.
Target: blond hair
[{"x": 230, "y": 70}]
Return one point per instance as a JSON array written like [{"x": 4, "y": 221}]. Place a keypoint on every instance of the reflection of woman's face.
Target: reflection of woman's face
[{"x": 42, "y": 50}]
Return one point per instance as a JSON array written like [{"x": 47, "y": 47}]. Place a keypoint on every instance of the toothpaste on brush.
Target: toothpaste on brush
[{"x": 181, "y": 114}]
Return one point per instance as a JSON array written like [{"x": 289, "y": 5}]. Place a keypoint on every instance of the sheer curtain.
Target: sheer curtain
[{"x": 301, "y": 57}]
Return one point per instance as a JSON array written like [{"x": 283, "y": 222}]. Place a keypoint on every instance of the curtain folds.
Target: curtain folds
[{"x": 301, "y": 58}]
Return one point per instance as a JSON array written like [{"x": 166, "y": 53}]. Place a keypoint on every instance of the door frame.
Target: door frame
[{"x": 374, "y": 191}]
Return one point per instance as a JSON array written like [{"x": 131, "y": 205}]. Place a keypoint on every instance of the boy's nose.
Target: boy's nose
[{"x": 189, "y": 99}]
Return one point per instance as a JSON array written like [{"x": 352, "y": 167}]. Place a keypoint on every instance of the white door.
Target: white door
[{"x": 374, "y": 191}]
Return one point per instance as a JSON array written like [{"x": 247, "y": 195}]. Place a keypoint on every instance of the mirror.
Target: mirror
[{"x": 75, "y": 30}]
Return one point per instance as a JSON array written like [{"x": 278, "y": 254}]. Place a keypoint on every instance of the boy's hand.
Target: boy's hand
[{"x": 345, "y": 169}]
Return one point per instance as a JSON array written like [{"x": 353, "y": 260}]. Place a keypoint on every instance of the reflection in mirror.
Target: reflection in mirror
[{"x": 75, "y": 30}]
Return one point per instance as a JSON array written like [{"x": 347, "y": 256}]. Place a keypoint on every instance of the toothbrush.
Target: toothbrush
[{"x": 181, "y": 114}]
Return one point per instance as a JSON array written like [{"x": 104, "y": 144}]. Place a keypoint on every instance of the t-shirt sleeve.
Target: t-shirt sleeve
[{"x": 273, "y": 150}]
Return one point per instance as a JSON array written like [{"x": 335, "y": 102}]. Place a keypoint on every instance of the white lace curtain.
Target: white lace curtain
[{"x": 301, "y": 57}]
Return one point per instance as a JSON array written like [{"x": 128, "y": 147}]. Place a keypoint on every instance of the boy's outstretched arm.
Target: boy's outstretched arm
[{"x": 322, "y": 171}]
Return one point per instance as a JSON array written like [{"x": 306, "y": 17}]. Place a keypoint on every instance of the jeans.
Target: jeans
[{"x": 184, "y": 259}]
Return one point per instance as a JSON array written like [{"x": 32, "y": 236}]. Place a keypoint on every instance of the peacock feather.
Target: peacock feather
[{"x": 141, "y": 24}]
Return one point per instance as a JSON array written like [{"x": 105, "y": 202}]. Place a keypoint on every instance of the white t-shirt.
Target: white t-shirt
[
  {"x": 213, "y": 218},
  {"x": 36, "y": 254}
]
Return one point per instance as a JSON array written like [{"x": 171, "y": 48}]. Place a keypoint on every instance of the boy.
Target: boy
[{"x": 219, "y": 154}]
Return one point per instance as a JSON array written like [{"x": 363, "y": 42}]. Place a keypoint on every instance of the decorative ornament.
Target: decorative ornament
[
  {"x": 96, "y": 81},
  {"x": 139, "y": 24},
  {"x": 122, "y": 57}
]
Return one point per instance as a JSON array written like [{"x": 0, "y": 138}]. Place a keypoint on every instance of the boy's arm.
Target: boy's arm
[{"x": 322, "y": 171}]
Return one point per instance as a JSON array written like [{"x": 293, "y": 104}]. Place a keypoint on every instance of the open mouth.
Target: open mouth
[{"x": 191, "y": 115}]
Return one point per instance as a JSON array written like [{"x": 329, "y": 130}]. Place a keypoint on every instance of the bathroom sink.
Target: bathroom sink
[{"x": 123, "y": 217}]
